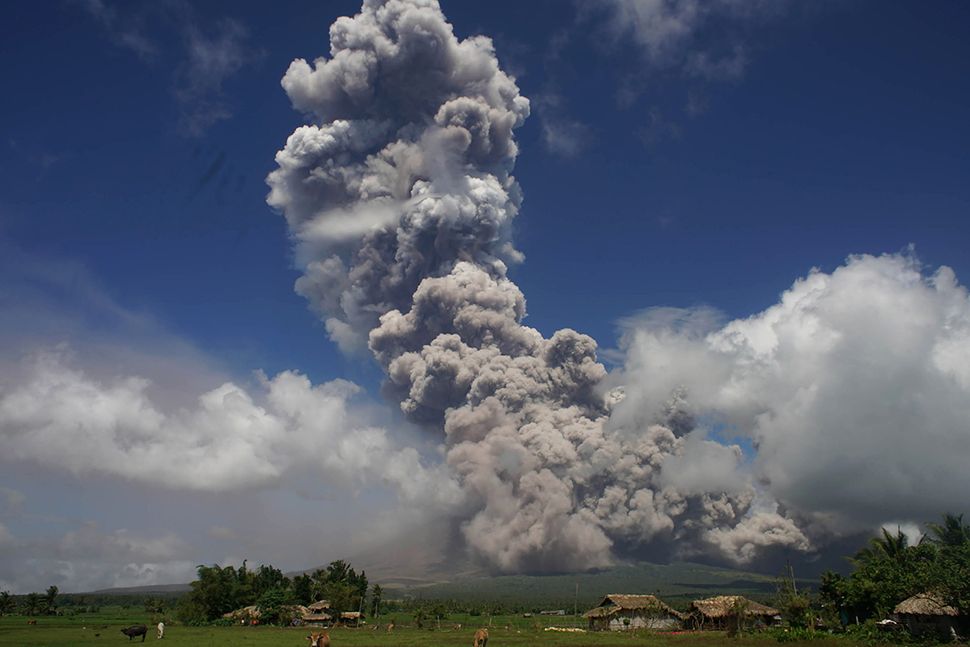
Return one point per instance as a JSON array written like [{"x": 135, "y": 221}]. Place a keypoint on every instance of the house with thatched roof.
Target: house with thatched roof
[
  {"x": 619, "y": 612},
  {"x": 723, "y": 611},
  {"x": 317, "y": 613},
  {"x": 245, "y": 614},
  {"x": 351, "y": 618},
  {"x": 928, "y": 614}
]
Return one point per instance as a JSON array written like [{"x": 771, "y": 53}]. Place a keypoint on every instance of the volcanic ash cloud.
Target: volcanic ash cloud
[{"x": 400, "y": 201}]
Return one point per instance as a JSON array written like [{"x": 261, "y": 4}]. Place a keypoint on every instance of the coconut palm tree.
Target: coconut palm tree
[
  {"x": 952, "y": 532},
  {"x": 888, "y": 546}
]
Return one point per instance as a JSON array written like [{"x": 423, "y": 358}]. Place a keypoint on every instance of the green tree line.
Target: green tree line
[
  {"x": 220, "y": 590},
  {"x": 891, "y": 569}
]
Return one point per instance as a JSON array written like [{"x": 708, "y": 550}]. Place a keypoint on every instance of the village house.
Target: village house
[
  {"x": 721, "y": 612},
  {"x": 351, "y": 618},
  {"x": 925, "y": 614},
  {"x": 318, "y": 613},
  {"x": 620, "y": 612}
]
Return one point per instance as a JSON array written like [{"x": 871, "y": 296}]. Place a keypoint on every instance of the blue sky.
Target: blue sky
[
  {"x": 135, "y": 165},
  {"x": 845, "y": 134}
]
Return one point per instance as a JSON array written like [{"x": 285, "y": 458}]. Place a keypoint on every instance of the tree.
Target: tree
[
  {"x": 6, "y": 602},
  {"x": 268, "y": 578},
  {"x": 303, "y": 589},
  {"x": 154, "y": 605},
  {"x": 833, "y": 593},
  {"x": 31, "y": 604},
  {"x": 375, "y": 601},
  {"x": 738, "y": 617},
  {"x": 273, "y": 606},
  {"x": 49, "y": 601},
  {"x": 795, "y": 607},
  {"x": 217, "y": 591},
  {"x": 887, "y": 546},
  {"x": 952, "y": 532}
]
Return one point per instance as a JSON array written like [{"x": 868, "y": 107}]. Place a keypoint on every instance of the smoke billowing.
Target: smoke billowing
[{"x": 400, "y": 203}]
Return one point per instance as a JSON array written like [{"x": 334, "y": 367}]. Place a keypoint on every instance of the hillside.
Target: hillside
[{"x": 676, "y": 580}]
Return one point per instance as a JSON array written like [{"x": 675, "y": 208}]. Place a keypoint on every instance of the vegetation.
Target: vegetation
[
  {"x": 889, "y": 570},
  {"x": 220, "y": 590},
  {"x": 505, "y": 631},
  {"x": 885, "y": 572}
]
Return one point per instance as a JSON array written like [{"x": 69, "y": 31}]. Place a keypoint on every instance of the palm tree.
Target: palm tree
[
  {"x": 49, "y": 600},
  {"x": 888, "y": 546},
  {"x": 31, "y": 604},
  {"x": 952, "y": 532}
]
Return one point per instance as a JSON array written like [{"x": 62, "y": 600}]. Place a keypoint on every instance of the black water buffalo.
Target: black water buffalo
[{"x": 135, "y": 630}]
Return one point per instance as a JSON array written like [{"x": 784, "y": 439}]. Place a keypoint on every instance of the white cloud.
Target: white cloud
[
  {"x": 854, "y": 389},
  {"x": 208, "y": 54},
  {"x": 54, "y": 414},
  {"x": 669, "y": 32},
  {"x": 561, "y": 134},
  {"x": 211, "y": 58}
]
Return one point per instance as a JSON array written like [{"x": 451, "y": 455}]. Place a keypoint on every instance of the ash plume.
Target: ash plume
[{"x": 400, "y": 201}]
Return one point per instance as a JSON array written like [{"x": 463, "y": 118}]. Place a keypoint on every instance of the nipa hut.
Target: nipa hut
[
  {"x": 351, "y": 618},
  {"x": 927, "y": 614},
  {"x": 618, "y": 612},
  {"x": 721, "y": 612},
  {"x": 317, "y": 613},
  {"x": 245, "y": 614}
]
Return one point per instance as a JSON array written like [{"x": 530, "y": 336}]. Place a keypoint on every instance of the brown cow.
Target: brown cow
[
  {"x": 321, "y": 639},
  {"x": 31, "y": 622},
  {"x": 481, "y": 638}
]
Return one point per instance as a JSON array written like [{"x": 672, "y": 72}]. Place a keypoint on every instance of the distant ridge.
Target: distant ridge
[
  {"x": 138, "y": 590},
  {"x": 681, "y": 580}
]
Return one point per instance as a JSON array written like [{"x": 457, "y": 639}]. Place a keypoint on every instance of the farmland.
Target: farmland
[{"x": 103, "y": 628}]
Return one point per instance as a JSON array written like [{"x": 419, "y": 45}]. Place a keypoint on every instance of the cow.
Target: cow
[
  {"x": 135, "y": 630},
  {"x": 160, "y": 631},
  {"x": 481, "y": 638},
  {"x": 31, "y": 622},
  {"x": 321, "y": 639}
]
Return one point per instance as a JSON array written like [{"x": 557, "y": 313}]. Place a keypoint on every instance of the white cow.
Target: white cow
[{"x": 161, "y": 631}]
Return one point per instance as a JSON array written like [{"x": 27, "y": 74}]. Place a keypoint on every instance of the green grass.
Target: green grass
[{"x": 84, "y": 629}]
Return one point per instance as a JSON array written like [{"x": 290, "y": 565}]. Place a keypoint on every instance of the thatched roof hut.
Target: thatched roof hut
[
  {"x": 925, "y": 604},
  {"x": 929, "y": 614},
  {"x": 351, "y": 618},
  {"x": 716, "y": 612},
  {"x": 619, "y": 611},
  {"x": 251, "y": 612},
  {"x": 319, "y": 605}
]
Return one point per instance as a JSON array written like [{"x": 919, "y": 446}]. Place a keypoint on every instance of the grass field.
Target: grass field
[{"x": 104, "y": 629}]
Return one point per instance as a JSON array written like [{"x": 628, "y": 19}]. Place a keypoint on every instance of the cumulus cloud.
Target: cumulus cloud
[
  {"x": 52, "y": 413},
  {"x": 853, "y": 389}
]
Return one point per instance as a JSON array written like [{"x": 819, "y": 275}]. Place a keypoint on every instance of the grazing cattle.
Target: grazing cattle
[
  {"x": 390, "y": 626},
  {"x": 321, "y": 639},
  {"x": 31, "y": 622},
  {"x": 161, "y": 631},
  {"x": 135, "y": 630},
  {"x": 481, "y": 638},
  {"x": 457, "y": 627}
]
